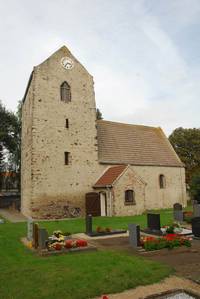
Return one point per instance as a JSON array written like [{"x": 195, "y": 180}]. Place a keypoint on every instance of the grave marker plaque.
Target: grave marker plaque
[
  {"x": 88, "y": 222},
  {"x": 42, "y": 238},
  {"x": 196, "y": 227},
  {"x": 134, "y": 235},
  {"x": 153, "y": 222}
]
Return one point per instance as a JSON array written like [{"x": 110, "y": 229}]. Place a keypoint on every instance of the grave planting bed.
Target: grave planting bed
[{"x": 61, "y": 248}]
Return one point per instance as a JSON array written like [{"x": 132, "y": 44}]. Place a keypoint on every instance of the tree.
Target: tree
[
  {"x": 195, "y": 187},
  {"x": 186, "y": 143},
  {"x": 10, "y": 143},
  {"x": 99, "y": 114},
  {"x": 10, "y": 131}
]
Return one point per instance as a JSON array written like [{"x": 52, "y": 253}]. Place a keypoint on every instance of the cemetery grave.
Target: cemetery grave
[
  {"x": 39, "y": 241},
  {"x": 170, "y": 236},
  {"x": 155, "y": 237},
  {"x": 100, "y": 231}
]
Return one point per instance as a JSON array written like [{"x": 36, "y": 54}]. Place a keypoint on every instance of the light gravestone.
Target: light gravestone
[
  {"x": 30, "y": 229},
  {"x": 88, "y": 222},
  {"x": 134, "y": 235},
  {"x": 196, "y": 210},
  {"x": 42, "y": 238},
  {"x": 2, "y": 221},
  {"x": 178, "y": 212},
  {"x": 196, "y": 227}
]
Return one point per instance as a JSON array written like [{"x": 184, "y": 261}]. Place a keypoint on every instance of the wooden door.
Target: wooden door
[{"x": 92, "y": 204}]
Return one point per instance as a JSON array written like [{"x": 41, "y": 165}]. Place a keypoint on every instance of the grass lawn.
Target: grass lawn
[{"x": 73, "y": 276}]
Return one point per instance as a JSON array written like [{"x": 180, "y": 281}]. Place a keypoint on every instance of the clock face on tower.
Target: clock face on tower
[{"x": 67, "y": 63}]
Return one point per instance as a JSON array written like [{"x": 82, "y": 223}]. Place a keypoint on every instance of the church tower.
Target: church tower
[{"x": 59, "y": 137}]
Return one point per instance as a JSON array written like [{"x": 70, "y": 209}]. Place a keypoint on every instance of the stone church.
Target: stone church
[{"x": 67, "y": 153}]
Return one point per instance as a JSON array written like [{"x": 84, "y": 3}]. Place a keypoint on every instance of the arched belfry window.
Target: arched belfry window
[
  {"x": 65, "y": 92},
  {"x": 162, "y": 181}
]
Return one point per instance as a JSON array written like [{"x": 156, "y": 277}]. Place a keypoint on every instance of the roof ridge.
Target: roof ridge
[{"x": 120, "y": 123}]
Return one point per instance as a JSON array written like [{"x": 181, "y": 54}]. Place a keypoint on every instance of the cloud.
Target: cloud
[{"x": 138, "y": 52}]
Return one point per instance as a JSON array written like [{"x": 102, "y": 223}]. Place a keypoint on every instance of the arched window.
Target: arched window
[
  {"x": 129, "y": 197},
  {"x": 162, "y": 181},
  {"x": 65, "y": 92}
]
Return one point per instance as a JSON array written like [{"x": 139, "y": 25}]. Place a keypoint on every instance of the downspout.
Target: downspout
[{"x": 110, "y": 201}]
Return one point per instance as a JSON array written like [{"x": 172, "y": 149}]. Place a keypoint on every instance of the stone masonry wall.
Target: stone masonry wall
[
  {"x": 175, "y": 191},
  {"x": 26, "y": 152},
  {"x": 148, "y": 196},
  {"x": 129, "y": 180},
  {"x": 54, "y": 184}
]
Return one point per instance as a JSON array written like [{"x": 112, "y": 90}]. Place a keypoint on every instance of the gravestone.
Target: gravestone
[
  {"x": 196, "y": 227},
  {"x": 88, "y": 222},
  {"x": 134, "y": 235},
  {"x": 153, "y": 222},
  {"x": 196, "y": 210},
  {"x": 2, "y": 221},
  {"x": 42, "y": 238},
  {"x": 178, "y": 212},
  {"x": 35, "y": 235},
  {"x": 30, "y": 229}
]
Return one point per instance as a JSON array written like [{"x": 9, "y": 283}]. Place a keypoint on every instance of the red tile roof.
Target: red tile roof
[{"x": 109, "y": 177}]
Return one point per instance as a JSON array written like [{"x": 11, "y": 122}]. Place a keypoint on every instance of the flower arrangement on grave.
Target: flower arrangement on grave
[
  {"x": 169, "y": 241},
  {"x": 75, "y": 243},
  {"x": 58, "y": 235},
  {"x": 100, "y": 229},
  {"x": 60, "y": 240},
  {"x": 175, "y": 227}
]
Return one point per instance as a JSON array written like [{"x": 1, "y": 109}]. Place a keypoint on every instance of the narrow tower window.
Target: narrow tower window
[
  {"x": 162, "y": 181},
  {"x": 66, "y": 156},
  {"x": 65, "y": 92},
  {"x": 67, "y": 123}
]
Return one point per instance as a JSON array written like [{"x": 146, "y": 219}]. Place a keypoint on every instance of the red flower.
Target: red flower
[
  {"x": 105, "y": 297},
  {"x": 57, "y": 246},
  {"x": 81, "y": 243},
  {"x": 68, "y": 243}
]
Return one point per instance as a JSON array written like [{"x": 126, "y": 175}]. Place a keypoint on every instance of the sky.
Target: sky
[{"x": 144, "y": 55}]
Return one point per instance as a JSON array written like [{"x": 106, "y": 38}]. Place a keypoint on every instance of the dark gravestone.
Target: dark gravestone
[
  {"x": 88, "y": 222},
  {"x": 178, "y": 212},
  {"x": 42, "y": 238},
  {"x": 196, "y": 227},
  {"x": 196, "y": 210},
  {"x": 153, "y": 222},
  {"x": 134, "y": 235},
  {"x": 35, "y": 235}
]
